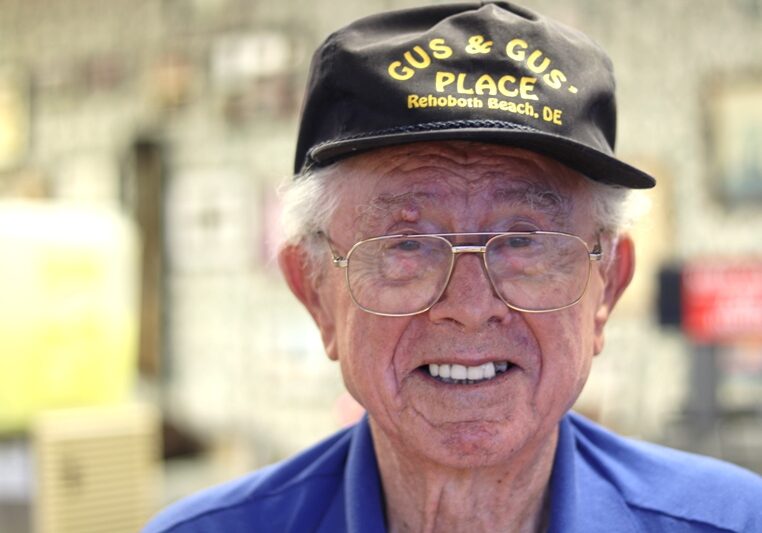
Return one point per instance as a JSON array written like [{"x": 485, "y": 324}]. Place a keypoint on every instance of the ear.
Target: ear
[
  {"x": 302, "y": 281},
  {"x": 616, "y": 277}
]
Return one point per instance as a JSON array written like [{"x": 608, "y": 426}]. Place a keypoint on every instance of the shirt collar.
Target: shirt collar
[
  {"x": 581, "y": 498},
  {"x": 363, "y": 497}
]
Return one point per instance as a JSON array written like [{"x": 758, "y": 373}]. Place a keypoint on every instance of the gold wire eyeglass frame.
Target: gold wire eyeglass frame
[{"x": 339, "y": 261}]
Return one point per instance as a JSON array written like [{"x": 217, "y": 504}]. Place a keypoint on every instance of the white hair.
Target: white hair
[
  {"x": 615, "y": 208},
  {"x": 310, "y": 199},
  {"x": 308, "y": 202}
]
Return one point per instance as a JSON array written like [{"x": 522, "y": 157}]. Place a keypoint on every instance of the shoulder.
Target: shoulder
[
  {"x": 667, "y": 486},
  {"x": 309, "y": 480}
]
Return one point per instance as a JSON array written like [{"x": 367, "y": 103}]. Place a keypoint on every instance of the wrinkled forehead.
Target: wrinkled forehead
[{"x": 463, "y": 176}]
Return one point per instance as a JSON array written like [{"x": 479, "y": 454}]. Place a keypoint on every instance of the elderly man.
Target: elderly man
[{"x": 455, "y": 232}]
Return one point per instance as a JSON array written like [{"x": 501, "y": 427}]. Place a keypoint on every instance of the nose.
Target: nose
[{"x": 469, "y": 299}]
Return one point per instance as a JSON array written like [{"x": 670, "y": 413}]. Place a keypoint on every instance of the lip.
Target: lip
[{"x": 423, "y": 372}]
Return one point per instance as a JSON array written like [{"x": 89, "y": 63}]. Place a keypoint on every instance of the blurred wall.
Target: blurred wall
[{"x": 217, "y": 83}]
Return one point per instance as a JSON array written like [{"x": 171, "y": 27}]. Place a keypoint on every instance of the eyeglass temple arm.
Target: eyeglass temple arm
[
  {"x": 597, "y": 253},
  {"x": 337, "y": 259}
]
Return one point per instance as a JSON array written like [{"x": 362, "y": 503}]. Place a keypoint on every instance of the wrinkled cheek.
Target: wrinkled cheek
[
  {"x": 583, "y": 373},
  {"x": 579, "y": 367},
  {"x": 566, "y": 366},
  {"x": 352, "y": 358},
  {"x": 367, "y": 364},
  {"x": 347, "y": 375},
  {"x": 558, "y": 393}
]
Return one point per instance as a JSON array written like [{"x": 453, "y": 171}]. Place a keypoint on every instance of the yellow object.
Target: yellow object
[{"x": 68, "y": 310}]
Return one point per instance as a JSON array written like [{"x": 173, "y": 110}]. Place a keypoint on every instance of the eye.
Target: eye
[
  {"x": 409, "y": 245},
  {"x": 516, "y": 246},
  {"x": 519, "y": 241}
]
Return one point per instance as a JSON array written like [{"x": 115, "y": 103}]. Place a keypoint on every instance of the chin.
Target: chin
[{"x": 470, "y": 445}]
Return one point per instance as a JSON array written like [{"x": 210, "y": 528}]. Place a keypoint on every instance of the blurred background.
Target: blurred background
[{"x": 148, "y": 345}]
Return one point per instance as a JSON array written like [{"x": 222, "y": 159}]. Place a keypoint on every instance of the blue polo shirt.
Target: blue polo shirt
[{"x": 601, "y": 482}]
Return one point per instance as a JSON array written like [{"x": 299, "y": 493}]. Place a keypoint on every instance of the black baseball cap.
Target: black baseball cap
[{"x": 480, "y": 71}]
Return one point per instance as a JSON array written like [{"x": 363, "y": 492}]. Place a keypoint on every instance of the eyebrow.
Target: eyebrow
[
  {"x": 535, "y": 197},
  {"x": 382, "y": 205},
  {"x": 390, "y": 201}
]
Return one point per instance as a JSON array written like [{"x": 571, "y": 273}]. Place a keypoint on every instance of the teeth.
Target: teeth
[
  {"x": 475, "y": 372},
  {"x": 458, "y": 372},
  {"x": 468, "y": 374}
]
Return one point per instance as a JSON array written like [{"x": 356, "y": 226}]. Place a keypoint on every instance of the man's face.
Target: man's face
[{"x": 448, "y": 188}]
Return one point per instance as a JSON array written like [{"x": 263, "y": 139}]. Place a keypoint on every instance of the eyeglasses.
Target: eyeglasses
[{"x": 402, "y": 275}]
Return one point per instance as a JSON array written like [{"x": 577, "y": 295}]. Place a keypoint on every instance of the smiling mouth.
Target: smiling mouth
[{"x": 467, "y": 375}]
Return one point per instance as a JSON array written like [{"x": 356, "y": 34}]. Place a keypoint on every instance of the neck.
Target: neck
[{"x": 422, "y": 496}]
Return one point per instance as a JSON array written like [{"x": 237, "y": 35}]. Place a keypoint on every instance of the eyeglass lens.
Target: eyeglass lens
[{"x": 401, "y": 275}]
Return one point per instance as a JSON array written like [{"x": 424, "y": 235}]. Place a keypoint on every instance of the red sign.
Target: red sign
[{"x": 722, "y": 302}]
